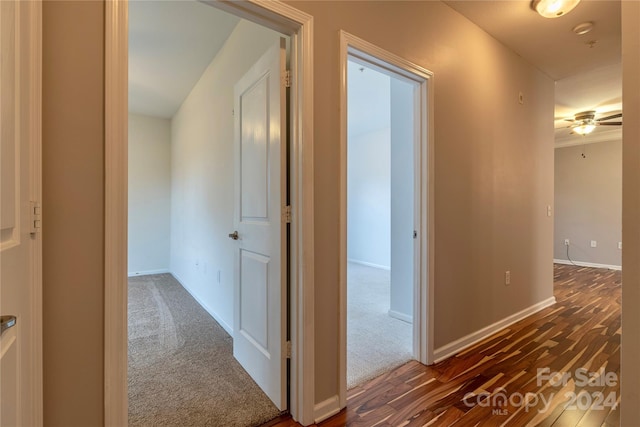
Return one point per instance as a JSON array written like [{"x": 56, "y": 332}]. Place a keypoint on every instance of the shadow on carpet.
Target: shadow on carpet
[{"x": 181, "y": 366}]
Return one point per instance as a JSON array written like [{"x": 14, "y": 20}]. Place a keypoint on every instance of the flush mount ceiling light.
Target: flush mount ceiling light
[{"x": 553, "y": 8}]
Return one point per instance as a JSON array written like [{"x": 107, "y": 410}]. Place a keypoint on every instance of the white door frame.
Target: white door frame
[
  {"x": 28, "y": 41},
  {"x": 423, "y": 303},
  {"x": 299, "y": 26}
]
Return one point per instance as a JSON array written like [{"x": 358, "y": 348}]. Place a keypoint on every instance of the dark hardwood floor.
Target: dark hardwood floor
[{"x": 559, "y": 367}]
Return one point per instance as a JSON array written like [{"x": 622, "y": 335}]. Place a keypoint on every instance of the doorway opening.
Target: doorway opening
[
  {"x": 196, "y": 203},
  {"x": 386, "y": 213},
  {"x": 298, "y": 26},
  {"x": 380, "y": 220}
]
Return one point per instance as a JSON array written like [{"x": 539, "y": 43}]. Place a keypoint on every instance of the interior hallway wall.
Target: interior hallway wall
[
  {"x": 630, "y": 353},
  {"x": 149, "y": 194},
  {"x": 73, "y": 212},
  {"x": 202, "y": 177},
  {"x": 588, "y": 201},
  {"x": 493, "y": 183}
]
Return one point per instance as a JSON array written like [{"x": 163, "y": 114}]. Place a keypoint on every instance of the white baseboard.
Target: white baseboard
[
  {"x": 326, "y": 409},
  {"x": 147, "y": 272},
  {"x": 400, "y": 316},
  {"x": 587, "y": 264},
  {"x": 213, "y": 314},
  {"x": 370, "y": 264},
  {"x": 457, "y": 346}
]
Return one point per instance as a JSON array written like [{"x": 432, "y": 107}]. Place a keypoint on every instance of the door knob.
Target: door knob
[
  {"x": 234, "y": 235},
  {"x": 6, "y": 322}
]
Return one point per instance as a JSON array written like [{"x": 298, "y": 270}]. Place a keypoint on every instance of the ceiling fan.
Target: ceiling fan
[{"x": 585, "y": 122}]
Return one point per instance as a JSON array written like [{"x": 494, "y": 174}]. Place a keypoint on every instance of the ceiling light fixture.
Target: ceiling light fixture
[
  {"x": 584, "y": 123},
  {"x": 584, "y": 129},
  {"x": 553, "y": 8}
]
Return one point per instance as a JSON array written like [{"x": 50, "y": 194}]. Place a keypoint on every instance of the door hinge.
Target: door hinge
[
  {"x": 288, "y": 349},
  {"x": 287, "y": 78},
  {"x": 35, "y": 219},
  {"x": 286, "y": 214}
]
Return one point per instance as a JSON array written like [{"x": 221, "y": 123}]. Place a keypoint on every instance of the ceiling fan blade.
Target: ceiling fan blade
[
  {"x": 610, "y": 124},
  {"x": 568, "y": 120},
  {"x": 613, "y": 116}
]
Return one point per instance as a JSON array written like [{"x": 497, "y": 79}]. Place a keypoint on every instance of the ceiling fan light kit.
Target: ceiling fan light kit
[
  {"x": 584, "y": 123},
  {"x": 553, "y": 8},
  {"x": 584, "y": 129}
]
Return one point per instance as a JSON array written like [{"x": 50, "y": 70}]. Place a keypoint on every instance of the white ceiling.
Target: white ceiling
[
  {"x": 587, "y": 78},
  {"x": 170, "y": 45},
  {"x": 172, "y": 42},
  {"x": 550, "y": 44}
]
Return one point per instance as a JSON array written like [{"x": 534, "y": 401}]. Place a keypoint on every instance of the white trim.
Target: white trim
[
  {"x": 32, "y": 48},
  {"x": 587, "y": 264},
  {"x": 326, "y": 409},
  {"x": 280, "y": 17},
  {"x": 352, "y": 46},
  {"x": 465, "y": 342},
  {"x": 212, "y": 313},
  {"x": 369, "y": 264},
  {"x": 299, "y": 25},
  {"x": 115, "y": 233},
  {"x": 147, "y": 272},
  {"x": 400, "y": 316}
]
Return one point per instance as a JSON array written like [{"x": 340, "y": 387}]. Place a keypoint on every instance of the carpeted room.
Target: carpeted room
[
  {"x": 181, "y": 365},
  {"x": 181, "y": 262}
]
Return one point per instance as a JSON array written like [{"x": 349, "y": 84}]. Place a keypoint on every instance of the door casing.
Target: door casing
[
  {"x": 299, "y": 26},
  {"x": 423, "y": 299},
  {"x": 28, "y": 92}
]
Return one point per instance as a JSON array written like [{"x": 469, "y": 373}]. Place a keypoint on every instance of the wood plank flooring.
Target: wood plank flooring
[{"x": 557, "y": 368}]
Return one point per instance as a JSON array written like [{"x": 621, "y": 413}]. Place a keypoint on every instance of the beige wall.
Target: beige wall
[
  {"x": 588, "y": 201},
  {"x": 494, "y": 167},
  {"x": 631, "y": 213},
  {"x": 493, "y": 184},
  {"x": 73, "y": 212}
]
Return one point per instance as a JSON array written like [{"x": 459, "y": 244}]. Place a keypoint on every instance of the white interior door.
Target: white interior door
[
  {"x": 20, "y": 379},
  {"x": 260, "y": 147}
]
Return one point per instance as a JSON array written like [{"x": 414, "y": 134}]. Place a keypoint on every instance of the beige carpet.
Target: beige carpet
[
  {"x": 376, "y": 342},
  {"x": 181, "y": 366}
]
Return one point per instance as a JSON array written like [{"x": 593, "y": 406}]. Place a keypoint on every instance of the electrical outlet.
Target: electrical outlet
[
  {"x": 594, "y": 244},
  {"x": 566, "y": 242},
  {"x": 507, "y": 278},
  {"x": 619, "y": 245}
]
